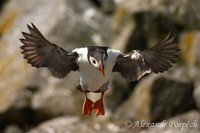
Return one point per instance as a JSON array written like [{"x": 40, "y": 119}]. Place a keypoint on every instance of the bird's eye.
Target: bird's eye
[{"x": 94, "y": 61}]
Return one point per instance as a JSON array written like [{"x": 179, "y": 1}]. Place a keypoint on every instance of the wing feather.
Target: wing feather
[
  {"x": 39, "y": 52},
  {"x": 158, "y": 59}
]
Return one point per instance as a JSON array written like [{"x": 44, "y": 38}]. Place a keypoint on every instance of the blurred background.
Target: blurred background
[{"x": 33, "y": 101}]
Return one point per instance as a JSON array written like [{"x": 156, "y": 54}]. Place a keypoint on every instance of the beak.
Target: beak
[{"x": 101, "y": 68}]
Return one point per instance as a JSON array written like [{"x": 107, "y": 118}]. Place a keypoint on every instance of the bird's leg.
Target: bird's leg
[
  {"x": 87, "y": 105},
  {"x": 98, "y": 106}
]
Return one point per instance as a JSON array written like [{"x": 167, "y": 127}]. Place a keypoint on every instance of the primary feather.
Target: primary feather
[
  {"x": 159, "y": 58},
  {"x": 39, "y": 52}
]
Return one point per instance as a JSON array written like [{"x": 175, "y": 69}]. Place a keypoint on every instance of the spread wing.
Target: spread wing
[
  {"x": 39, "y": 52},
  {"x": 159, "y": 58}
]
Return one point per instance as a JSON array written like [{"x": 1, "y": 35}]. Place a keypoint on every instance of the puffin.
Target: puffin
[{"x": 96, "y": 63}]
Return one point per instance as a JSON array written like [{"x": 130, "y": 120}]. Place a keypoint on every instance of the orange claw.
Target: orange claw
[
  {"x": 98, "y": 106},
  {"x": 87, "y": 105}
]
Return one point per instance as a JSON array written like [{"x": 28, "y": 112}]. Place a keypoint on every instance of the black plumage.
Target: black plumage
[
  {"x": 158, "y": 59},
  {"x": 39, "y": 52}
]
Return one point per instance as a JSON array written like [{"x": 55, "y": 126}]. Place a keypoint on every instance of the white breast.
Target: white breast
[{"x": 89, "y": 75}]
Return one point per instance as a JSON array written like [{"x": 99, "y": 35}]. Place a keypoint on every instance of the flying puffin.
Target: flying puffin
[{"x": 96, "y": 63}]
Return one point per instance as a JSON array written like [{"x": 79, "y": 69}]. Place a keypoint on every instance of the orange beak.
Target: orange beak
[{"x": 101, "y": 68}]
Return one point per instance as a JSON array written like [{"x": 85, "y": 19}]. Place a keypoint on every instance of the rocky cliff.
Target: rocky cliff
[{"x": 33, "y": 101}]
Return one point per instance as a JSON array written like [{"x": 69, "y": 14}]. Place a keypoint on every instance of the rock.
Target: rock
[
  {"x": 13, "y": 70},
  {"x": 179, "y": 97},
  {"x": 71, "y": 24},
  {"x": 197, "y": 94},
  {"x": 129, "y": 35},
  {"x": 137, "y": 106},
  {"x": 25, "y": 118},
  {"x": 136, "y": 25},
  {"x": 177, "y": 11},
  {"x": 66, "y": 99},
  {"x": 80, "y": 25},
  {"x": 13, "y": 67},
  {"x": 74, "y": 124},
  {"x": 148, "y": 101},
  {"x": 13, "y": 129},
  {"x": 140, "y": 24},
  {"x": 189, "y": 44},
  {"x": 87, "y": 24},
  {"x": 62, "y": 22},
  {"x": 119, "y": 90},
  {"x": 106, "y": 6},
  {"x": 185, "y": 123}
]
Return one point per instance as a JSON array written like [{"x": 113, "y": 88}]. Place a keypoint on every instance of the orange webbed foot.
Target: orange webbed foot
[
  {"x": 99, "y": 106},
  {"x": 87, "y": 106}
]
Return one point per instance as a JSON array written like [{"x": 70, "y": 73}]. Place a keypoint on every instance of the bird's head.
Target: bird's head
[{"x": 98, "y": 59}]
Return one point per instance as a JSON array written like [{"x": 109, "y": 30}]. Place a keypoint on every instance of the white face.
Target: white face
[{"x": 94, "y": 62}]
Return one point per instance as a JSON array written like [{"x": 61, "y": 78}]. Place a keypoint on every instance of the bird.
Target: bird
[{"x": 96, "y": 63}]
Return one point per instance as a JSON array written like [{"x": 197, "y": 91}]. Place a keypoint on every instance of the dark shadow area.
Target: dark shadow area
[
  {"x": 170, "y": 98},
  {"x": 107, "y": 6},
  {"x": 2, "y": 2},
  {"x": 25, "y": 118},
  {"x": 137, "y": 40}
]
